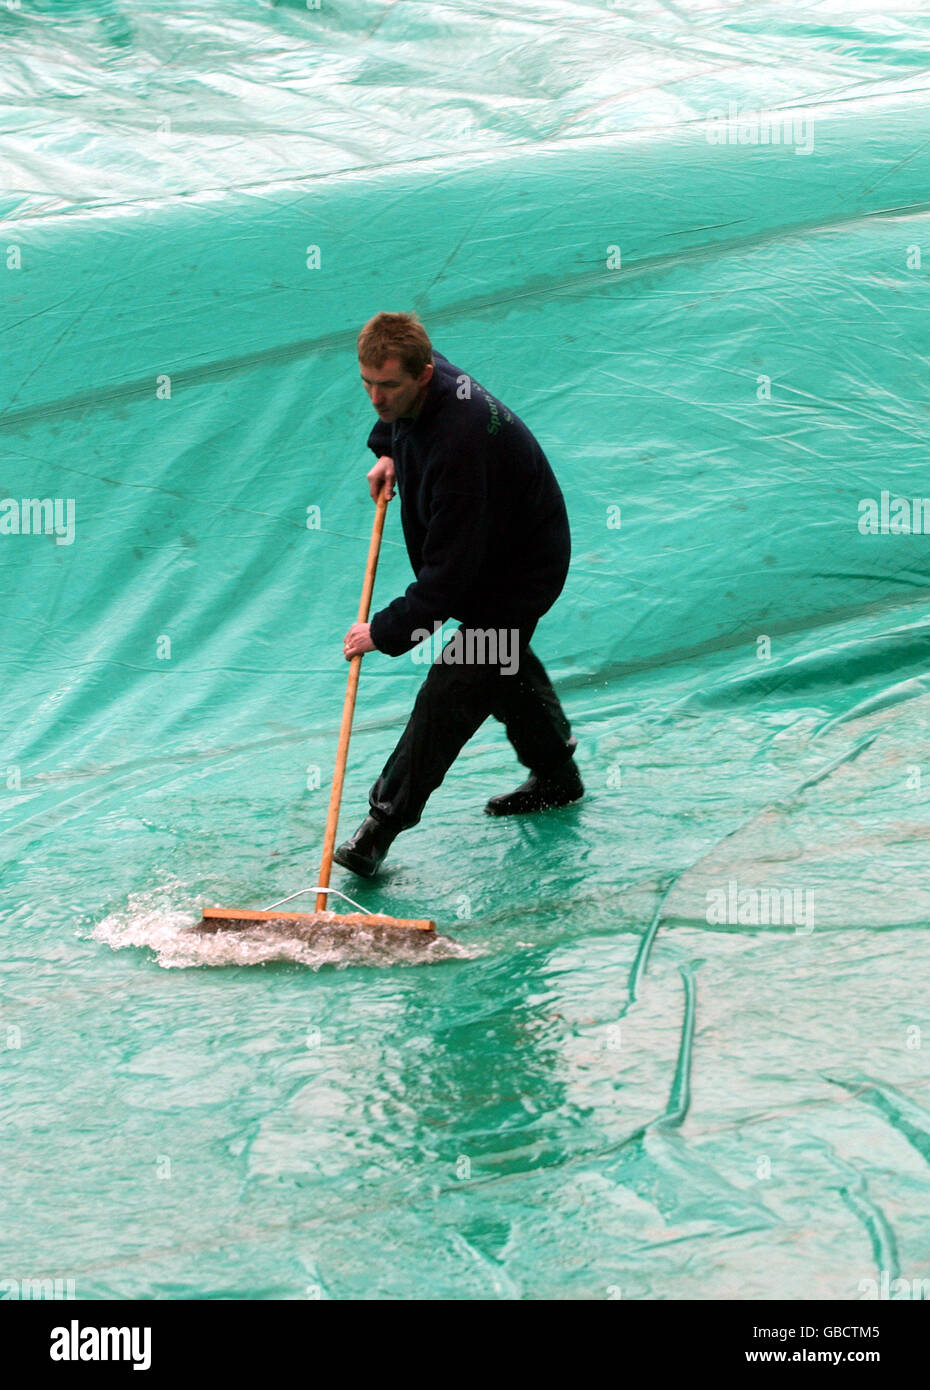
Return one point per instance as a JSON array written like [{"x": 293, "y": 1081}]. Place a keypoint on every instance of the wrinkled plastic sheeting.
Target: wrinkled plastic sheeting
[{"x": 682, "y": 1020}]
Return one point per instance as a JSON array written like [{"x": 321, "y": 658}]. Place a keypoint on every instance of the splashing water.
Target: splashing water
[{"x": 152, "y": 922}]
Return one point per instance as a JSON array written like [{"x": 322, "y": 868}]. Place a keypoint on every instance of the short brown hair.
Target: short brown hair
[{"x": 395, "y": 335}]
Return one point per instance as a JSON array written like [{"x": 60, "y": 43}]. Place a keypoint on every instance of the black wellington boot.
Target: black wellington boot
[
  {"x": 366, "y": 849},
  {"x": 540, "y": 792}
]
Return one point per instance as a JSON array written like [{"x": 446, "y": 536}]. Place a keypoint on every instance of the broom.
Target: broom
[{"x": 219, "y": 918}]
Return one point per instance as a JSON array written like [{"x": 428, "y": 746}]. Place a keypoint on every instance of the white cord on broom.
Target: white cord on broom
[{"x": 319, "y": 889}]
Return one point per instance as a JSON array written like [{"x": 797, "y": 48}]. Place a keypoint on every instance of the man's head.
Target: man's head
[{"x": 396, "y": 361}]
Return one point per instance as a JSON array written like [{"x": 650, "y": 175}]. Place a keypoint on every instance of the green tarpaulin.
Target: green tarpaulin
[{"x": 671, "y": 1042}]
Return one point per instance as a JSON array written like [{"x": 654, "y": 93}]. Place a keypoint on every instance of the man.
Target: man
[{"x": 487, "y": 534}]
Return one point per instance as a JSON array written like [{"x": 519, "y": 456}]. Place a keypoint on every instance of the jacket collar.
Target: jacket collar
[{"x": 435, "y": 392}]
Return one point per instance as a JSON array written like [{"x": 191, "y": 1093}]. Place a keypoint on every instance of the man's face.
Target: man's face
[{"x": 391, "y": 389}]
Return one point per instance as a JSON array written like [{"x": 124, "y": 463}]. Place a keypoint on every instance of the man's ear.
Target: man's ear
[{"x": 427, "y": 376}]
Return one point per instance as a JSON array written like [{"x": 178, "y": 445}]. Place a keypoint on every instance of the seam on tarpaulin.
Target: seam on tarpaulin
[{"x": 141, "y": 388}]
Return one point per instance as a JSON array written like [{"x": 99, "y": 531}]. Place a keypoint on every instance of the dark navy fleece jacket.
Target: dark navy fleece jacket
[{"x": 483, "y": 516}]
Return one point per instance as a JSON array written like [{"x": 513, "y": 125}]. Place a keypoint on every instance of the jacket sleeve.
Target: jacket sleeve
[
  {"x": 380, "y": 439},
  {"x": 454, "y": 550}
]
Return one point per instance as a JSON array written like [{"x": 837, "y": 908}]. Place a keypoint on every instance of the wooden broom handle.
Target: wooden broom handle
[{"x": 348, "y": 709}]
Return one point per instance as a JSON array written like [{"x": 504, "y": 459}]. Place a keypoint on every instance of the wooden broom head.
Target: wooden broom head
[{"x": 297, "y": 923}]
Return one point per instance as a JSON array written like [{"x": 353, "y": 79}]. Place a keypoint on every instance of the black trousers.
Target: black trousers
[{"x": 452, "y": 704}]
